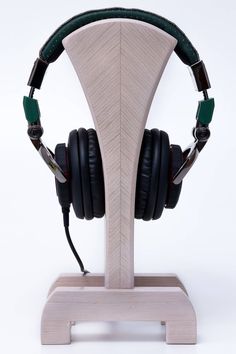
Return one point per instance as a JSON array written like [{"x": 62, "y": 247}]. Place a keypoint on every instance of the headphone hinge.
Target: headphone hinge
[{"x": 35, "y": 130}]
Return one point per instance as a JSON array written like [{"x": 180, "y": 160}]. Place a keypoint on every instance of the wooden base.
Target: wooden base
[{"x": 84, "y": 298}]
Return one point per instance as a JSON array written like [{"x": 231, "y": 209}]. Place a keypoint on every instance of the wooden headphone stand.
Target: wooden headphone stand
[{"x": 119, "y": 63}]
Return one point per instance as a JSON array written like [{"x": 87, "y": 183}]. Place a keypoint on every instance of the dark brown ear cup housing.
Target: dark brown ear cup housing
[{"x": 81, "y": 161}]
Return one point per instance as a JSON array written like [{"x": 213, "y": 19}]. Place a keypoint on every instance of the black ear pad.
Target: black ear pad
[
  {"x": 83, "y": 151},
  {"x": 176, "y": 161},
  {"x": 163, "y": 176},
  {"x": 96, "y": 175},
  {"x": 143, "y": 175},
  {"x": 158, "y": 163},
  {"x": 154, "y": 175},
  {"x": 76, "y": 185},
  {"x": 152, "y": 187},
  {"x": 63, "y": 189}
]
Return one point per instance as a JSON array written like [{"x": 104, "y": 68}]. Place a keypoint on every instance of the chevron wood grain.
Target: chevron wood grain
[{"x": 119, "y": 63}]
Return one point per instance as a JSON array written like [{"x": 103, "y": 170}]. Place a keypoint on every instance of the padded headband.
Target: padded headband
[{"x": 53, "y": 47}]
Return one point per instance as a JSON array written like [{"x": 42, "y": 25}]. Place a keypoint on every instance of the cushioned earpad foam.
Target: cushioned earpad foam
[
  {"x": 143, "y": 175},
  {"x": 176, "y": 161},
  {"x": 96, "y": 175},
  {"x": 163, "y": 176},
  {"x": 158, "y": 163},
  {"x": 63, "y": 189},
  {"x": 83, "y": 151},
  {"x": 154, "y": 175},
  {"x": 76, "y": 185}
]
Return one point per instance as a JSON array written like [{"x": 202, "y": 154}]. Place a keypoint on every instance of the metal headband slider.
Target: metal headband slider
[
  {"x": 200, "y": 76},
  {"x": 37, "y": 73}
]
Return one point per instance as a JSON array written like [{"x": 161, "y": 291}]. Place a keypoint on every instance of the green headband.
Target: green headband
[{"x": 53, "y": 46}]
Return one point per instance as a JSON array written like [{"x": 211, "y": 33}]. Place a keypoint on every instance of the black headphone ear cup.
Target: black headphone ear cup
[
  {"x": 176, "y": 161},
  {"x": 63, "y": 189},
  {"x": 154, "y": 175},
  {"x": 96, "y": 175},
  {"x": 76, "y": 185},
  {"x": 163, "y": 175},
  {"x": 143, "y": 175},
  {"x": 83, "y": 150}
]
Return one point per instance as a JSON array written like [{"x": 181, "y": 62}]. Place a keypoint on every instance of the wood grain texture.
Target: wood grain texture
[
  {"x": 119, "y": 63},
  {"x": 66, "y": 305},
  {"x": 94, "y": 280}
]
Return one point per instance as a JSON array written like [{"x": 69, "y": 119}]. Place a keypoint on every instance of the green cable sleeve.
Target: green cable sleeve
[
  {"x": 205, "y": 110},
  {"x": 31, "y": 108}
]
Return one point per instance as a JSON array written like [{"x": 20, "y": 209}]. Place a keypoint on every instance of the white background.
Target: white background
[{"x": 196, "y": 240}]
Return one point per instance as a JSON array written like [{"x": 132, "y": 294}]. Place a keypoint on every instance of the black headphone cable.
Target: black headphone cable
[{"x": 66, "y": 213}]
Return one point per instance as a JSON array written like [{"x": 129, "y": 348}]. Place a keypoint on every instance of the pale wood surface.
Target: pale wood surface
[
  {"x": 119, "y": 63},
  {"x": 93, "y": 279},
  {"x": 66, "y": 305}
]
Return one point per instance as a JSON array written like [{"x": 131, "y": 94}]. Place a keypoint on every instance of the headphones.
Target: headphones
[{"x": 78, "y": 166}]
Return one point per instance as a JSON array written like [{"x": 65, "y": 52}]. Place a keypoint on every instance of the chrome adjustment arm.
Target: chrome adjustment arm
[
  {"x": 35, "y": 132},
  {"x": 201, "y": 134}
]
